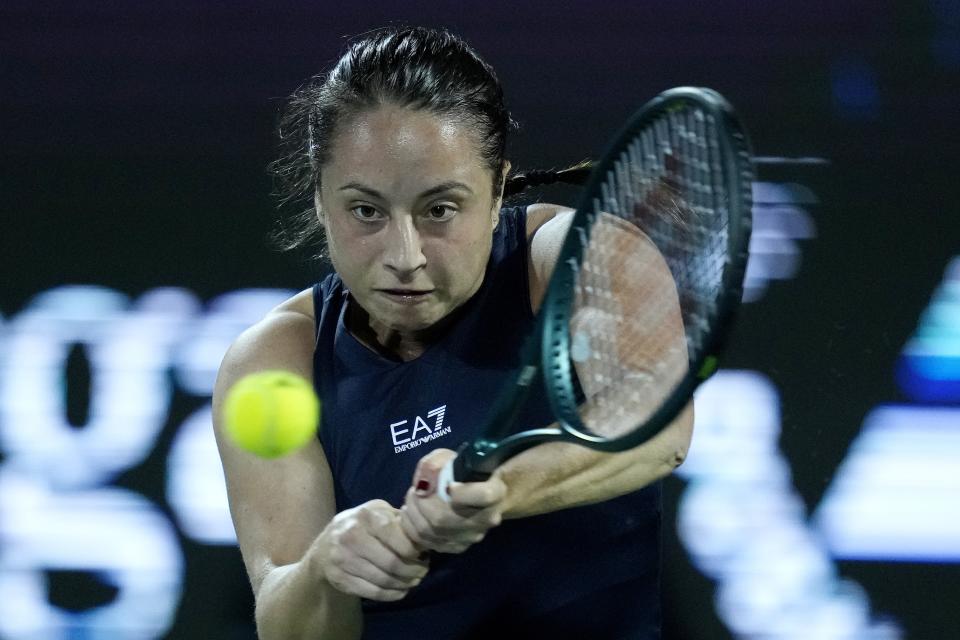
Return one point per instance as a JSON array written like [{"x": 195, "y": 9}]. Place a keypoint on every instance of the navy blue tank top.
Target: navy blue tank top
[{"x": 584, "y": 572}]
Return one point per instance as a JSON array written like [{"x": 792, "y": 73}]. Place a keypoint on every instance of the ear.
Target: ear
[{"x": 495, "y": 214}]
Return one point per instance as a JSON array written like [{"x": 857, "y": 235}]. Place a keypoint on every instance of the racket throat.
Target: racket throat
[{"x": 477, "y": 460}]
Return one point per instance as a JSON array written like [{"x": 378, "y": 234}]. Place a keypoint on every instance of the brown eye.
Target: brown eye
[
  {"x": 365, "y": 213},
  {"x": 441, "y": 212}
]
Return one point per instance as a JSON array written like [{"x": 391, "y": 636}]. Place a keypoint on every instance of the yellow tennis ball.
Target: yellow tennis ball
[{"x": 271, "y": 413}]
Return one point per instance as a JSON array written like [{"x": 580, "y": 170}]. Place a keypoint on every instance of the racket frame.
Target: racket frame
[{"x": 546, "y": 352}]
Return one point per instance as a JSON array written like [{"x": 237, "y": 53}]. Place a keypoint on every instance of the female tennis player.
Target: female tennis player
[{"x": 399, "y": 152}]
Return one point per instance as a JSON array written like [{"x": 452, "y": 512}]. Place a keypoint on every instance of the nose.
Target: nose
[{"x": 404, "y": 252}]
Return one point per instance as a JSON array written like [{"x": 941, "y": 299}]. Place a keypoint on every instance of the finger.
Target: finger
[
  {"x": 382, "y": 555},
  {"x": 453, "y": 540},
  {"x": 438, "y": 522},
  {"x": 477, "y": 495},
  {"x": 408, "y": 535},
  {"x": 397, "y": 539},
  {"x": 452, "y": 535},
  {"x": 450, "y": 545},
  {"x": 409, "y": 529},
  {"x": 416, "y": 525},
  {"x": 428, "y": 470},
  {"x": 365, "y": 573},
  {"x": 480, "y": 519},
  {"x": 399, "y": 542},
  {"x": 371, "y": 561},
  {"x": 352, "y": 585},
  {"x": 387, "y": 528},
  {"x": 457, "y": 546}
]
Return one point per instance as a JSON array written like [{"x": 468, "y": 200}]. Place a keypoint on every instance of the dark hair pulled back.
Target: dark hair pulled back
[{"x": 414, "y": 67}]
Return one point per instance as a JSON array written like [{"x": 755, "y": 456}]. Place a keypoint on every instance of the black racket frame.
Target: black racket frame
[{"x": 546, "y": 353}]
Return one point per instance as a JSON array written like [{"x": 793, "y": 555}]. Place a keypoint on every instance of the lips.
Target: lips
[
  {"x": 406, "y": 292},
  {"x": 406, "y": 296}
]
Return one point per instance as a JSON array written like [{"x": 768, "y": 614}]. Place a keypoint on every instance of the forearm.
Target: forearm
[
  {"x": 559, "y": 475},
  {"x": 292, "y": 604}
]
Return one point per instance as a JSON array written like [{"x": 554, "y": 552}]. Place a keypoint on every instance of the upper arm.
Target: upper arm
[
  {"x": 634, "y": 317},
  {"x": 645, "y": 292},
  {"x": 547, "y": 226},
  {"x": 278, "y": 506}
]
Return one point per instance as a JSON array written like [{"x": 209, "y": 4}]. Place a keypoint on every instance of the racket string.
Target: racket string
[{"x": 653, "y": 263}]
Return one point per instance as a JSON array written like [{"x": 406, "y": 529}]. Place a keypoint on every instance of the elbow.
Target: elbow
[
  {"x": 680, "y": 443},
  {"x": 668, "y": 461},
  {"x": 676, "y": 459}
]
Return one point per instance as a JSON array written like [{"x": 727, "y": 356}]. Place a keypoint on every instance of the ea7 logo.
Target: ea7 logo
[{"x": 407, "y": 435}]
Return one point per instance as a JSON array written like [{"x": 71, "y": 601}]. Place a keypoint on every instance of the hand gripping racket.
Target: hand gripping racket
[{"x": 644, "y": 290}]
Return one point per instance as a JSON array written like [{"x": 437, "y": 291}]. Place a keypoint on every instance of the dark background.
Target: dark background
[{"x": 134, "y": 139}]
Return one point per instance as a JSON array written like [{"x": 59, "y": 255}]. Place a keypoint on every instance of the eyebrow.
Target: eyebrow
[{"x": 450, "y": 185}]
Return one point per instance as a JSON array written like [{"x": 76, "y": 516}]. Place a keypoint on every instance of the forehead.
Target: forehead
[{"x": 379, "y": 144}]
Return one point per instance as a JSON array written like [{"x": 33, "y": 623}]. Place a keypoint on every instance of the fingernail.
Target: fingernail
[{"x": 422, "y": 487}]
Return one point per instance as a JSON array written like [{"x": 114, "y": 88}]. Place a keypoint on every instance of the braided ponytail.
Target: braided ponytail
[{"x": 575, "y": 174}]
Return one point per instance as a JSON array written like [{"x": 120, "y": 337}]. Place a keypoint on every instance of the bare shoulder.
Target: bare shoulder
[
  {"x": 278, "y": 506},
  {"x": 547, "y": 226},
  {"x": 283, "y": 339},
  {"x": 301, "y": 303},
  {"x": 540, "y": 213}
]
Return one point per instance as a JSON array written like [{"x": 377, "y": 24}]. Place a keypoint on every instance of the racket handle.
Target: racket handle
[
  {"x": 457, "y": 470},
  {"x": 444, "y": 480}
]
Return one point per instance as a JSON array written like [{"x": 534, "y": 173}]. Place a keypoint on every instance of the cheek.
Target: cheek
[
  {"x": 470, "y": 253},
  {"x": 349, "y": 255}
]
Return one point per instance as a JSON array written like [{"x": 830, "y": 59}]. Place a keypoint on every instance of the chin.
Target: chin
[{"x": 420, "y": 320}]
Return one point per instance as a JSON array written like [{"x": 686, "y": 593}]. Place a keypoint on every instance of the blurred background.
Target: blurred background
[{"x": 820, "y": 498}]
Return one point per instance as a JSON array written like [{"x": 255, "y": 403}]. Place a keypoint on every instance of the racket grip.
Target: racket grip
[
  {"x": 444, "y": 480},
  {"x": 457, "y": 470}
]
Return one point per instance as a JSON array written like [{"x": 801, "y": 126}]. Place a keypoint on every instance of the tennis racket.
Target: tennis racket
[{"x": 645, "y": 287}]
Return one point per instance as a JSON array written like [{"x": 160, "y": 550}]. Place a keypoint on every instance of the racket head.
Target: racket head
[{"x": 670, "y": 200}]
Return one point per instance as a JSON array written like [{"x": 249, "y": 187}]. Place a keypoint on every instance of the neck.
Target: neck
[{"x": 403, "y": 345}]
